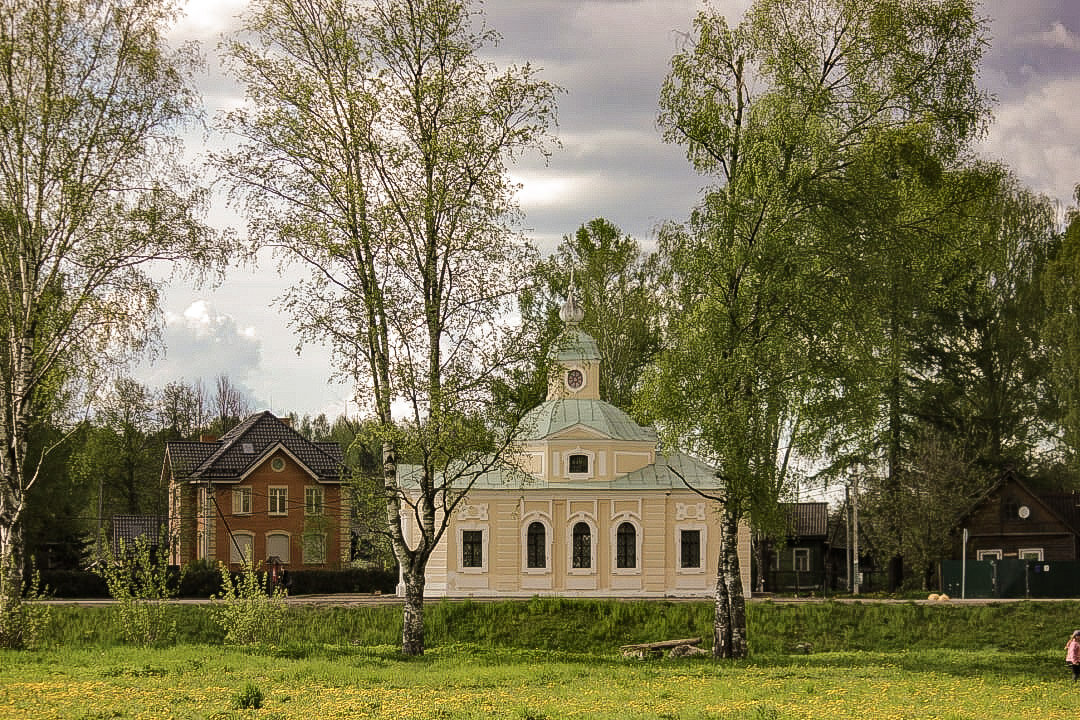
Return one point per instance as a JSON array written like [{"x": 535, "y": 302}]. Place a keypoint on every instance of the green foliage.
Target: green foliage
[
  {"x": 249, "y": 697},
  {"x": 24, "y": 620},
  {"x": 245, "y": 611},
  {"x": 138, "y": 579}
]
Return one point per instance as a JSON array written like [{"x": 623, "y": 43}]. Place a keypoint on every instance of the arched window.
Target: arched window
[
  {"x": 578, "y": 464},
  {"x": 626, "y": 546},
  {"x": 582, "y": 546},
  {"x": 536, "y": 544}
]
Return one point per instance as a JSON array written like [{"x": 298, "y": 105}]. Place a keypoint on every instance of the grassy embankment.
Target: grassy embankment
[{"x": 549, "y": 658}]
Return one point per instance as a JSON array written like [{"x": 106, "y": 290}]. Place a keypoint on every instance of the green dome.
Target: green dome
[{"x": 557, "y": 415}]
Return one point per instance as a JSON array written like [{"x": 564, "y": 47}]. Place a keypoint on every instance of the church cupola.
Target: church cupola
[{"x": 576, "y": 374}]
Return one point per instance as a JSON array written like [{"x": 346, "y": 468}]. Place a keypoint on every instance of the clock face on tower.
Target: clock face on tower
[{"x": 574, "y": 379}]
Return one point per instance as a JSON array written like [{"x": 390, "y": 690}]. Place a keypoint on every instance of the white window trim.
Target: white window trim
[
  {"x": 237, "y": 494},
  {"x": 1033, "y": 551},
  {"x": 580, "y": 476},
  {"x": 988, "y": 554},
  {"x": 237, "y": 538},
  {"x": 593, "y": 542},
  {"x": 795, "y": 553},
  {"x": 703, "y": 543},
  {"x": 615, "y": 524},
  {"x": 288, "y": 544},
  {"x": 269, "y": 496},
  {"x": 461, "y": 528},
  {"x": 322, "y": 500},
  {"x": 548, "y": 535}
]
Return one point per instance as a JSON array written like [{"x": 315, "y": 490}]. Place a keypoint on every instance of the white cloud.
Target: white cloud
[
  {"x": 1037, "y": 136},
  {"x": 1058, "y": 36},
  {"x": 201, "y": 342}
]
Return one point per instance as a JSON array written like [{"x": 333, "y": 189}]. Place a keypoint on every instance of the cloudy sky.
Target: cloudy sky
[{"x": 610, "y": 56}]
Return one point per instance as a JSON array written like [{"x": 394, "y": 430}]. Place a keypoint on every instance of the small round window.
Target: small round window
[{"x": 278, "y": 464}]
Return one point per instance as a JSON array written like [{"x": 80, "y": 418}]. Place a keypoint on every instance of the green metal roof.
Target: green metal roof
[
  {"x": 577, "y": 346},
  {"x": 667, "y": 473},
  {"x": 557, "y": 415}
]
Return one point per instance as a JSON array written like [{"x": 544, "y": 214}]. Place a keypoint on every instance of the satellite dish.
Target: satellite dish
[{"x": 1024, "y": 512}]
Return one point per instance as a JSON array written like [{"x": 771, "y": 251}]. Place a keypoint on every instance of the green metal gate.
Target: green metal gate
[{"x": 1012, "y": 579}]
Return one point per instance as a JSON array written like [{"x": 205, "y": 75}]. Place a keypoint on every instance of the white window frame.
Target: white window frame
[
  {"x": 1037, "y": 552},
  {"x": 474, "y": 527},
  {"x": 311, "y": 507},
  {"x": 273, "y": 493},
  {"x": 796, "y": 554},
  {"x": 238, "y": 538},
  {"x": 616, "y": 523},
  {"x": 702, "y": 531},
  {"x": 287, "y": 557},
  {"x": 525, "y": 523},
  {"x": 594, "y": 538},
  {"x": 241, "y": 501},
  {"x": 988, "y": 554},
  {"x": 591, "y": 472}
]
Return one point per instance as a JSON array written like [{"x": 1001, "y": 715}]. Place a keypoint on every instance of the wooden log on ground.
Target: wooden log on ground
[{"x": 656, "y": 649}]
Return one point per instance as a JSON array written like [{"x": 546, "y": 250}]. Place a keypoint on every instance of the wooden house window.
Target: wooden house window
[
  {"x": 626, "y": 547},
  {"x": 582, "y": 557},
  {"x": 1031, "y": 554},
  {"x": 802, "y": 559},
  {"x": 536, "y": 546}
]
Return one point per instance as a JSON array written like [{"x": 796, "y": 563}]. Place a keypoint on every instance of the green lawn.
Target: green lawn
[{"x": 1010, "y": 668}]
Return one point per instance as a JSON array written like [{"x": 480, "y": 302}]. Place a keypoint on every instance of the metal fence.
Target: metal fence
[{"x": 1011, "y": 578}]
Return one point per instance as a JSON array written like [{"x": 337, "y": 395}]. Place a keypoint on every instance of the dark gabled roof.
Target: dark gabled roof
[
  {"x": 1062, "y": 505},
  {"x": 248, "y": 444},
  {"x": 127, "y": 529},
  {"x": 807, "y": 520}
]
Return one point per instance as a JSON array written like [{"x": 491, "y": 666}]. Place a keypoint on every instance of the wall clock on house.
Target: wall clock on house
[{"x": 1024, "y": 512}]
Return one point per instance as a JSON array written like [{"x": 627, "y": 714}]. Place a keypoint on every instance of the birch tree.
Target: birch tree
[
  {"x": 774, "y": 109},
  {"x": 91, "y": 189},
  {"x": 374, "y": 149}
]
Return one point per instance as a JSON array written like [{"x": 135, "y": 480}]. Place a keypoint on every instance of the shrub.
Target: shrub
[
  {"x": 137, "y": 579},
  {"x": 352, "y": 580},
  {"x": 245, "y": 611},
  {"x": 249, "y": 697},
  {"x": 74, "y": 584},
  {"x": 23, "y": 624},
  {"x": 199, "y": 579}
]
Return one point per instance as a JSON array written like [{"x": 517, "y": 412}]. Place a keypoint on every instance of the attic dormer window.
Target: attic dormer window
[
  {"x": 248, "y": 449},
  {"x": 578, "y": 464}
]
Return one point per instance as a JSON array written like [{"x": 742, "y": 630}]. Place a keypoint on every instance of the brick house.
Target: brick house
[{"x": 259, "y": 491}]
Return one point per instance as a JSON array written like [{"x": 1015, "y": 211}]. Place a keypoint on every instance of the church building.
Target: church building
[{"x": 598, "y": 510}]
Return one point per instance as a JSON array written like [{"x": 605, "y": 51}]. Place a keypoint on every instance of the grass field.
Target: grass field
[{"x": 559, "y": 659}]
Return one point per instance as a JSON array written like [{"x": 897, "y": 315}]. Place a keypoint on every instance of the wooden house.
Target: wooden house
[{"x": 1011, "y": 521}]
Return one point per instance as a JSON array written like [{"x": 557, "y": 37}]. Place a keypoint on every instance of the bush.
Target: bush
[
  {"x": 352, "y": 580},
  {"x": 245, "y": 611},
  {"x": 138, "y": 579},
  {"x": 23, "y": 624},
  {"x": 249, "y": 697},
  {"x": 74, "y": 584},
  {"x": 199, "y": 580}
]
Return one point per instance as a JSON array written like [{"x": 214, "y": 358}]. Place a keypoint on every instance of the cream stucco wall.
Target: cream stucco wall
[{"x": 503, "y": 517}]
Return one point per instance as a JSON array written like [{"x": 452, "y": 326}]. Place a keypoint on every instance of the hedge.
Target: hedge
[{"x": 206, "y": 582}]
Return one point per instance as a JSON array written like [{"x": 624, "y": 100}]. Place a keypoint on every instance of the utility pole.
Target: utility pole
[{"x": 857, "y": 576}]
